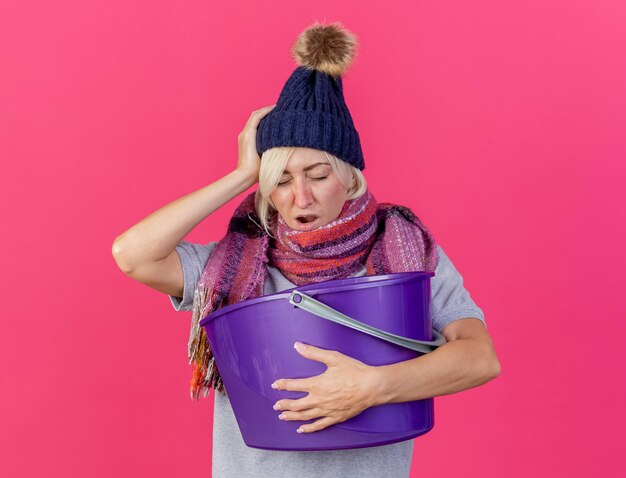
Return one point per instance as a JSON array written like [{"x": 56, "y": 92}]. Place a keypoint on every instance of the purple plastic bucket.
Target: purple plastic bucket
[{"x": 252, "y": 342}]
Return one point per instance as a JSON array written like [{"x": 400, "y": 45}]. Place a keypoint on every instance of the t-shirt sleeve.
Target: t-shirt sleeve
[
  {"x": 193, "y": 258},
  {"x": 450, "y": 300}
]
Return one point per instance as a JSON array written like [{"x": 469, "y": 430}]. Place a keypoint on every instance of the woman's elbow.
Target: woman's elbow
[
  {"x": 487, "y": 364},
  {"x": 491, "y": 368}
]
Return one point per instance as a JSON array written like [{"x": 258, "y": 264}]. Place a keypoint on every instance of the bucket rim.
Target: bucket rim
[{"x": 330, "y": 286}]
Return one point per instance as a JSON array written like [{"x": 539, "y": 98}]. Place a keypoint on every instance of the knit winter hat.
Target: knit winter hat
[{"x": 311, "y": 111}]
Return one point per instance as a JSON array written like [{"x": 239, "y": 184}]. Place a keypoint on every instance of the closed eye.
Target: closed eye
[{"x": 316, "y": 179}]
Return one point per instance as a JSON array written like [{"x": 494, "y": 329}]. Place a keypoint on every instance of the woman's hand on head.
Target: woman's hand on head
[{"x": 249, "y": 161}]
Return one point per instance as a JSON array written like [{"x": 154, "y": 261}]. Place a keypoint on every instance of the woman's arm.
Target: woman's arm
[
  {"x": 349, "y": 386},
  {"x": 467, "y": 360},
  {"x": 155, "y": 237}
]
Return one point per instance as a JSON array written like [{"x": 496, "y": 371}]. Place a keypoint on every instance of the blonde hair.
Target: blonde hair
[{"x": 273, "y": 163}]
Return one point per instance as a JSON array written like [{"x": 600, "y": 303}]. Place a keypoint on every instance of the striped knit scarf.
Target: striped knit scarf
[{"x": 384, "y": 237}]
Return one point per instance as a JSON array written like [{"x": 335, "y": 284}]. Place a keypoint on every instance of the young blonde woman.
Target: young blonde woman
[{"x": 311, "y": 219}]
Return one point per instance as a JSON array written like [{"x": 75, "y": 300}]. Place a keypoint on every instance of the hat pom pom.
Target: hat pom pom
[{"x": 326, "y": 48}]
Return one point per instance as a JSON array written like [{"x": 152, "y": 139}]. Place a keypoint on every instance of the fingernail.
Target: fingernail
[
  {"x": 300, "y": 430},
  {"x": 277, "y": 406},
  {"x": 299, "y": 346},
  {"x": 274, "y": 385},
  {"x": 282, "y": 416}
]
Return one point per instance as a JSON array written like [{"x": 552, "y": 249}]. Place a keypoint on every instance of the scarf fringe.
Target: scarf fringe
[{"x": 205, "y": 374}]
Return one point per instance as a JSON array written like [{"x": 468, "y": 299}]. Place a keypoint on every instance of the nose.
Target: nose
[{"x": 303, "y": 197}]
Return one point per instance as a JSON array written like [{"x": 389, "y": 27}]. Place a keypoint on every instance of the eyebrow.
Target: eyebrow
[{"x": 308, "y": 167}]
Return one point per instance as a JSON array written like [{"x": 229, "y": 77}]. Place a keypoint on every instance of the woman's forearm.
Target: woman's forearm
[
  {"x": 155, "y": 236},
  {"x": 452, "y": 367}
]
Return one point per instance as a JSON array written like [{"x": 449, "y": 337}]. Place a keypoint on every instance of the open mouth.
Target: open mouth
[{"x": 306, "y": 219}]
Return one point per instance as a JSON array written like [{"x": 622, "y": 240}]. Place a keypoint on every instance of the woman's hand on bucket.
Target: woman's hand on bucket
[
  {"x": 344, "y": 390},
  {"x": 249, "y": 161}
]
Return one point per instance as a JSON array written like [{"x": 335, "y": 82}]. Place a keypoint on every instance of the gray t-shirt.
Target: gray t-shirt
[{"x": 233, "y": 458}]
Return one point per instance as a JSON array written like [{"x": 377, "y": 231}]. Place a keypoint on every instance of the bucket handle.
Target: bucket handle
[{"x": 315, "y": 307}]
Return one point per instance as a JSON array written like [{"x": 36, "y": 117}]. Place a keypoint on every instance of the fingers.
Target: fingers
[
  {"x": 254, "y": 119},
  {"x": 258, "y": 114},
  {"x": 317, "y": 426},
  {"x": 294, "y": 384},
  {"x": 294, "y": 405},
  {"x": 290, "y": 415},
  {"x": 311, "y": 352}
]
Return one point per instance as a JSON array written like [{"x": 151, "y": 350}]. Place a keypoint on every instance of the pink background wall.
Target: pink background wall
[{"x": 501, "y": 124}]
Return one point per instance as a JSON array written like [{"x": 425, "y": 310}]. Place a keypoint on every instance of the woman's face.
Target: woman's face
[{"x": 309, "y": 194}]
